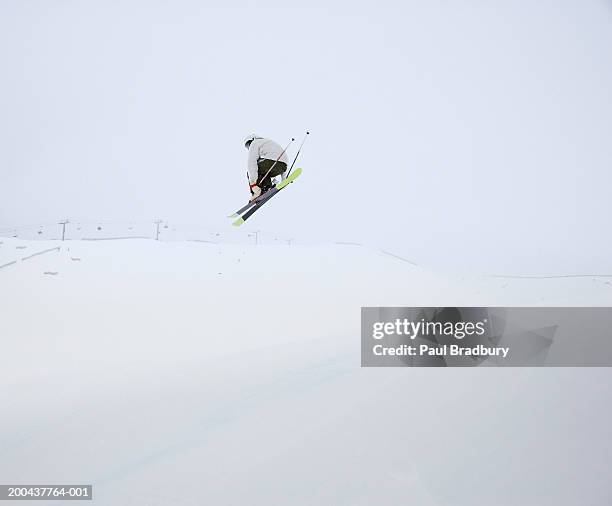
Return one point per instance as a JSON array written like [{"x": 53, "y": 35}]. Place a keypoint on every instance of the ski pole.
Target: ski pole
[
  {"x": 279, "y": 157},
  {"x": 298, "y": 153}
]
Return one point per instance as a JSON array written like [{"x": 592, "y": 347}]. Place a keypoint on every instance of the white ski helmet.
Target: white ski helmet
[{"x": 249, "y": 139}]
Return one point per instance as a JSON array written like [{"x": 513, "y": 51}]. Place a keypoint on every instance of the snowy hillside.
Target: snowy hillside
[{"x": 201, "y": 373}]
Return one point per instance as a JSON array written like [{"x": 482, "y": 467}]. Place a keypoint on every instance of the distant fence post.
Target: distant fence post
[
  {"x": 158, "y": 223},
  {"x": 63, "y": 224}
]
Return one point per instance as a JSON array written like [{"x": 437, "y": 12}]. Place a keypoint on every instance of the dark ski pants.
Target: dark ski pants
[{"x": 263, "y": 166}]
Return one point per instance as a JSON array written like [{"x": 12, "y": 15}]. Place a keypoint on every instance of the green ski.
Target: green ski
[{"x": 253, "y": 207}]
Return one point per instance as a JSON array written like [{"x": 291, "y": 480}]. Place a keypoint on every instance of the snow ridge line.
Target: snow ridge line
[
  {"x": 557, "y": 276},
  {"x": 41, "y": 253},
  {"x": 348, "y": 243},
  {"x": 57, "y": 248},
  {"x": 112, "y": 238},
  {"x": 398, "y": 257}
]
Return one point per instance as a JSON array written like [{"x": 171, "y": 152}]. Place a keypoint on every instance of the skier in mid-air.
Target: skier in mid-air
[{"x": 266, "y": 160}]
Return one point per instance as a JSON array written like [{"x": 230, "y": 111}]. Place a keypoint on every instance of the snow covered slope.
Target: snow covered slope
[{"x": 197, "y": 373}]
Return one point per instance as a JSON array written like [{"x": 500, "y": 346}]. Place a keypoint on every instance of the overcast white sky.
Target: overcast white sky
[{"x": 466, "y": 133}]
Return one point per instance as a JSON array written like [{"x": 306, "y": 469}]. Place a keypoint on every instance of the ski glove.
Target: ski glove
[{"x": 255, "y": 191}]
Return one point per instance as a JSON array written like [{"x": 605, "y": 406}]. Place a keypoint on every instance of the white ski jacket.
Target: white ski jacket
[{"x": 263, "y": 148}]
